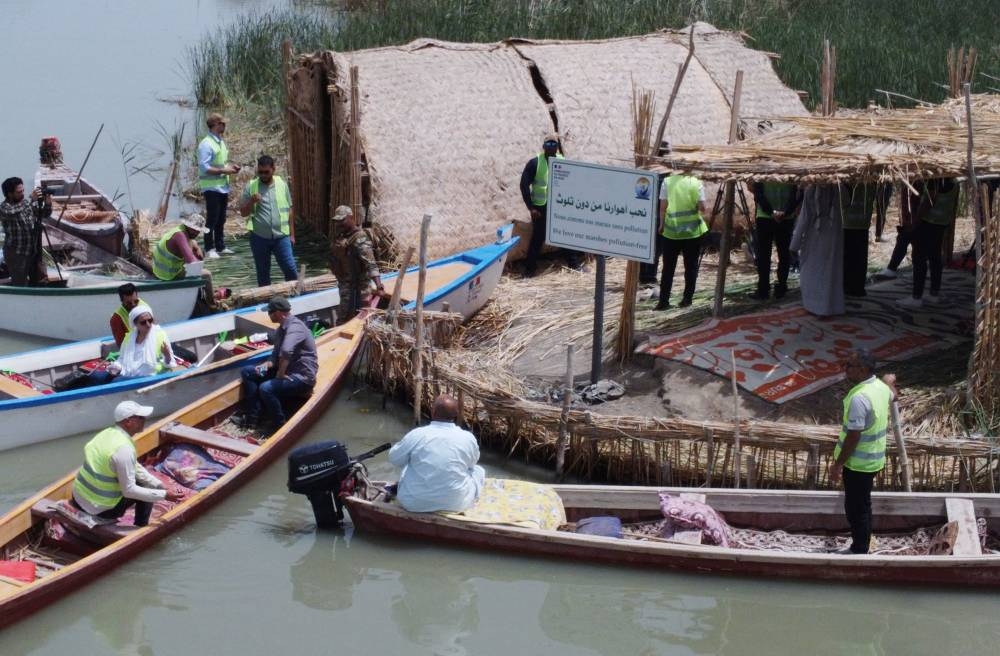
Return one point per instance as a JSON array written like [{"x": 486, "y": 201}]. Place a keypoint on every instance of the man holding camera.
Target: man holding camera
[{"x": 22, "y": 227}]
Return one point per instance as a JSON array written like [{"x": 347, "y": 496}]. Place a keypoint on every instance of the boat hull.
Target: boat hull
[
  {"x": 380, "y": 517},
  {"x": 76, "y": 313}
]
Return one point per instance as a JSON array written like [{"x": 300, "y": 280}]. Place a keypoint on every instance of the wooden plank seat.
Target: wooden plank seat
[
  {"x": 175, "y": 432},
  {"x": 12, "y": 389},
  {"x": 101, "y": 534},
  {"x": 967, "y": 540}
]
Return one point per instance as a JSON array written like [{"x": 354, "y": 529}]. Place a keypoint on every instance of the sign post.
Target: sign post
[{"x": 604, "y": 210}]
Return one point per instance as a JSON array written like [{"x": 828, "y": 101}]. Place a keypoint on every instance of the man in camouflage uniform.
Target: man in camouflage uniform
[{"x": 352, "y": 261}]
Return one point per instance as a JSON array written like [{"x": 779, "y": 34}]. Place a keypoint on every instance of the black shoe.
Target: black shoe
[
  {"x": 244, "y": 421},
  {"x": 663, "y": 305},
  {"x": 759, "y": 295},
  {"x": 685, "y": 302},
  {"x": 780, "y": 290}
]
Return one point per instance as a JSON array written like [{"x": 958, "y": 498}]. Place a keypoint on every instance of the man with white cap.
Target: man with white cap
[
  {"x": 111, "y": 479},
  {"x": 352, "y": 261},
  {"x": 177, "y": 247}
]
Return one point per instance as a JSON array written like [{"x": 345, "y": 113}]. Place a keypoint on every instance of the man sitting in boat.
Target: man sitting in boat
[
  {"x": 177, "y": 247},
  {"x": 111, "y": 480},
  {"x": 21, "y": 219},
  {"x": 289, "y": 374},
  {"x": 120, "y": 324},
  {"x": 438, "y": 463}
]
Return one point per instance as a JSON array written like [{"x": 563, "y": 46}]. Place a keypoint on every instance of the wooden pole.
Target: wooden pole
[
  {"x": 564, "y": 416},
  {"x": 977, "y": 365},
  {"x": 397, "y": 289},
  {"x": 418, "y": 349},
  {"x": 286, "y": 69},
  {"x": 673, "y": 92},
  {"x": 737, "y": 448},
  {"x": 728, "y": 203},
  {"x": 897, "y": 432},
  {"x": 355, "y": 172}
]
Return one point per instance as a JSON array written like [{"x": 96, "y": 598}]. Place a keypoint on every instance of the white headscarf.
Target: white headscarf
[{"x": 143, "y": 359}]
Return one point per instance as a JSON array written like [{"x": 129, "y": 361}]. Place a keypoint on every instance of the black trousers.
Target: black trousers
[
  {"x": 536, "y": 242},
  {"x": 779, "y": 234},
  {"x": 855, "y": 261},
  {"x": 858, "y": 507},
  {"x": 672, "y": 248},
  {"x": 928, "y": 239},
  {"x": 143, "y": 510},
  {"x": 215, "y": 219},
  {"x": 903, "y": 236},
  {"x": 647, "y": 272}
]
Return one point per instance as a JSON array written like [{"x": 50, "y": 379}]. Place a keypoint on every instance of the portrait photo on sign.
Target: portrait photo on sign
[{"x": 642, "y": 186}]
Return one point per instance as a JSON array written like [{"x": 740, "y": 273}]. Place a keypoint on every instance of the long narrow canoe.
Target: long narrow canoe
[
  {"x": 73, "y": 555},
  {"x": 30, "y": 412},
  {"x": 904, "y": 523}
]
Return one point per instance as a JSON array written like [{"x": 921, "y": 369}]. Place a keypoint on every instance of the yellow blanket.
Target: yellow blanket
[{"x": 515, "y": 503}]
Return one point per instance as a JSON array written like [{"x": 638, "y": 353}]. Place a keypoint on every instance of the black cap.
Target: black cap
[{"x": 279, "y": 304}]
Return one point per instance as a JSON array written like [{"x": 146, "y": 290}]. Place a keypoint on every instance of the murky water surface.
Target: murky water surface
[{"x": 254, "y": 577}]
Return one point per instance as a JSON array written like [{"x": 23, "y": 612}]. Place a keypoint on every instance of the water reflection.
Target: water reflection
[
  {"x": 322, "y": 581},
  {"x": 439, "y": 612}
]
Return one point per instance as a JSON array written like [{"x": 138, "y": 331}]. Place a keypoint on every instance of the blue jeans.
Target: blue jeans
[
  {"x": 267, "y": 391},
  {"x": 262, "y": 248}
]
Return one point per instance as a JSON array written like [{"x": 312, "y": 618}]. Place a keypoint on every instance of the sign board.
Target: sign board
[{"x": 602, "y": 209}]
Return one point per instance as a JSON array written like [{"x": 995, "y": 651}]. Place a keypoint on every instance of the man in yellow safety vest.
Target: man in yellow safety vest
[
  {"x": 682, "y": 223},
  {"x": 176, "y": 247},
  {"x": 860, "y": 451},
  {"x": 268, "y": 203},
  {"x": 111, "y": 479},
  {"x": 214, "y": 170}
]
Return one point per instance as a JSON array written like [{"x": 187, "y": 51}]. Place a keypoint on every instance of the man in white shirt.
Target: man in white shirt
[
  {"x": 111, "y": 478},
  {"x": 438, "y": 463}
]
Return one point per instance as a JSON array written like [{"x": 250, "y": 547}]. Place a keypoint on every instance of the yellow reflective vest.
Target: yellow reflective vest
[
  {"x": 681, "y": 218},
  {"x": 166, "y": 265},
  {"x": 282, "y": 197},
  {"x": 869, "y": 455},
  {"x": 220, "y": 155},
  {"x": 540, "y": 185},
  {"x": 97, "y": 481}
]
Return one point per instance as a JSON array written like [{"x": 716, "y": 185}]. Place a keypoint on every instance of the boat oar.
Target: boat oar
[{"x": 904, "y": 462}]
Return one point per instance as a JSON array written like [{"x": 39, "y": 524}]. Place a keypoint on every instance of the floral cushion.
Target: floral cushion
[{"x": 691, "y": 514}]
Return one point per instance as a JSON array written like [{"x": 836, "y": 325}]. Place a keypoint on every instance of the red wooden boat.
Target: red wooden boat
[{"x": 764, "y": 522}]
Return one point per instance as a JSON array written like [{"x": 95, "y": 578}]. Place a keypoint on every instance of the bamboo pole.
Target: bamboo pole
[
  {"x": 418, "y": 349},
  {"x": 738, "y": 457},
  {"x": 397, "y": 290},
  {"x": 355, "y": 166},
  {"x": 897, "y": 432},
  {"x": 727, "y": 223},
  {"x": 564, "y": 416},
  {"x": 286, "y": 69},
  {"x": 977, "y": 362},
  {"x": 673, "y": 92}
]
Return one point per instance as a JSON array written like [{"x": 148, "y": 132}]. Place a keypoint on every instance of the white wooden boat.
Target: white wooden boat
[
  {"x": 30, "y": 412},
  {"x": 765, "y": 517}
]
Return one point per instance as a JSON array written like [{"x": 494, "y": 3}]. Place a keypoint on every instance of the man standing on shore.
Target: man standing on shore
[
  {"x": 352, "y": 261},
  {"x": 214, "y": 170},
  {"x": 268, "y": 203},
  {"x": 860, "y": 451}
]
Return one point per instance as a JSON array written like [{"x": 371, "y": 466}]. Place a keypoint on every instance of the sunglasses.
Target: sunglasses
[
  {"x": 550, "y": 144},
  {"x": 143, "y": 322}
]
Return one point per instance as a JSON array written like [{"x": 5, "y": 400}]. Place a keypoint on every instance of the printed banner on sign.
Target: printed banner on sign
[{"x": 602, "y": 209}]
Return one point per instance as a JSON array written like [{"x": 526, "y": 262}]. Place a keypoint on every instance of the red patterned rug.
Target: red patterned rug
[{"x": 785, "y": 352}]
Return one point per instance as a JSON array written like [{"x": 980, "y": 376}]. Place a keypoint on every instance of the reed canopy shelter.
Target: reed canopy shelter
[
  {"x": 446, "y": 128},
  {"x": 957, "y": 139}
]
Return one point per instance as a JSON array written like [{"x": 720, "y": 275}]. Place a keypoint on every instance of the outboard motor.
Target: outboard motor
[{"x": 317, "y": 471}]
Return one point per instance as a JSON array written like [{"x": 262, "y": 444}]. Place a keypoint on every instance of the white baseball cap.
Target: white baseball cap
[{"x": 127, "y": 409}]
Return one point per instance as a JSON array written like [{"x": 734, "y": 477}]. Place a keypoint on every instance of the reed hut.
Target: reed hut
[{"x": 446, "y": 128}]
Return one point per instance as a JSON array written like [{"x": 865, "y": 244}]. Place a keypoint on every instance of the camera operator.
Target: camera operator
[{"x": 22, "y": 227}]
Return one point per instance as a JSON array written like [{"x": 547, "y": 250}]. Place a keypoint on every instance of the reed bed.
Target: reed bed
[
  {"x": 648, "y": 450},
  {"x": 877, "y": 49}
]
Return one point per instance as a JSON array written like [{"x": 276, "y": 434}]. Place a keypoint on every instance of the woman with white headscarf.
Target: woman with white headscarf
[{"x": 145, "y": 351}]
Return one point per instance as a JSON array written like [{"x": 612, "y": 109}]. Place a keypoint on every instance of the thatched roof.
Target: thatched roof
[
  {"x": 448, "y": 127},
  {"x": 878, "y": 144}
]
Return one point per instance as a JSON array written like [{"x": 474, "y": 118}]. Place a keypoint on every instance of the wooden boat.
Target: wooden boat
[
  {"x": 67, "y": 558},
  {"x": 812, "y": 516},
  {"x": 31, "y": 412},
  {"x": 86, "y": 211}
]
